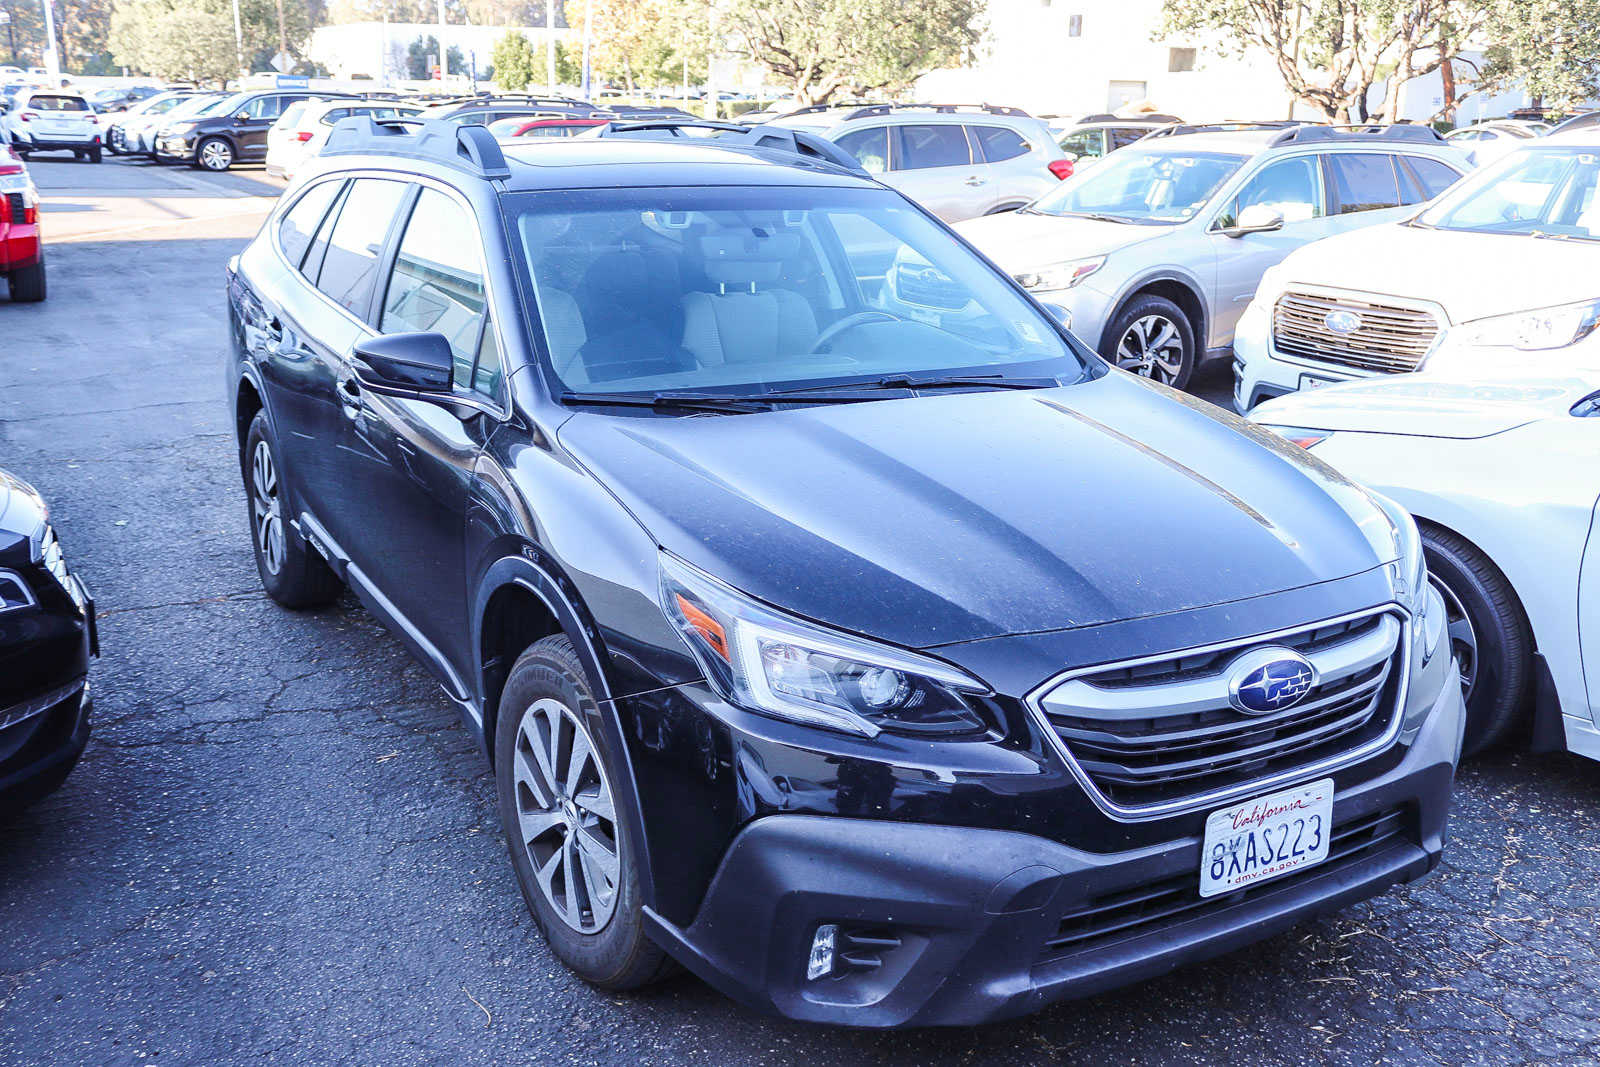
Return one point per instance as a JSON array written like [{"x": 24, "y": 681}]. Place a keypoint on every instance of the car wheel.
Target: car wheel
[
  {"x": 1488, "y": 633},
  {"x": 27, "y": 284},
  {"x": 292, "y": 572},
  {"x": 94, "y": 154},
  {"x": 214, "y": 154},
  {"x": 1154, "y": 339},
  {"x": 573, "y": 855}
]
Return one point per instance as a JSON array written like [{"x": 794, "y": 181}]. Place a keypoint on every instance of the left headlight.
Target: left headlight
[
  {"x": 1534, "y": 331},
  {"x": 1059, "y": 276},
  {"x": 1410, "y": 575},
  {"x": 778, "y": 665}
]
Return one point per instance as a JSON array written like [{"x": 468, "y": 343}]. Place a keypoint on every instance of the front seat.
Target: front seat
[{"x": 742, "y": 322}]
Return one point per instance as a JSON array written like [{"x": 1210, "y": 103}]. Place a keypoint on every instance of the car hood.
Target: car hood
[
  {"x": 1470, "y": 275},
  {"x": 939, "y": 519},
  {"x": 1426, "y": 406},
  {"x": 1018, "y": 240}
]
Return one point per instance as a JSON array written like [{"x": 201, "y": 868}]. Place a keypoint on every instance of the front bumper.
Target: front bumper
[
  {"x": 1260, "y": 374},
  {"x": 1090, "y": 309},
  {"x": 962, "y": 925},
  {"x": 44, "y": 736},
  {"x": 174, "y": 147}
]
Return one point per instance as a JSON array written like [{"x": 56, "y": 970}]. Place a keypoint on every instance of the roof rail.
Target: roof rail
[
  {"x": 798, "y": 143},
  {"x": 1180, "y": 129},
  {"x": 817, "y": 109},
  {"x": 468, "y": 147},
  {"x": 877, "y": 110},
  {"x": 1372, "y": 131}
]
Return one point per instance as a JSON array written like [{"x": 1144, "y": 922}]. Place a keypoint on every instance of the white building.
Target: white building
[{"x": 377, "y": 50}]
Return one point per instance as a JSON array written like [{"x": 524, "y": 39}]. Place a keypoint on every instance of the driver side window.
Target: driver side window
[{"x": 1291, "y": 187}]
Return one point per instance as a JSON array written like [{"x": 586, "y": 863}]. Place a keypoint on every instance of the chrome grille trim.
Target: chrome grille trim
[
  {"x": 1398, "y": 659},
  {"x": 1392, "y": 338}
]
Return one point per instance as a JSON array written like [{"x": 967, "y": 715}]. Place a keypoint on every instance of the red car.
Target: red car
[
  {"x": 542, "y": 126},
  {"x": 21, "y": 246}
]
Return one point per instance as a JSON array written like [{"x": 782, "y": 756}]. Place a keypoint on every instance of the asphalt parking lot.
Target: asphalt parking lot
[{"x": 282, "y": 844}]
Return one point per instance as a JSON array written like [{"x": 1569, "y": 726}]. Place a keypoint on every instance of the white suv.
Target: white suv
[
  {"x": 51, "y": 120},
  {"x": 958, "y": 161},
  {"x": 1155, "y": 252},
  {"x": 1501, "y": 269}
]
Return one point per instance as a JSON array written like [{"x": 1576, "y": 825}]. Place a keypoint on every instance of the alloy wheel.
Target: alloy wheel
[
  {"x": 1463, "y": 638},
  {"x": 267, "y": 507},
  {"x": 1152, "y": 347},
  {"x": 216, "y": 155},
  {"x": 567, "y": 816}
]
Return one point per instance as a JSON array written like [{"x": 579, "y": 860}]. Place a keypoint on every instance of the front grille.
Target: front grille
[
  {"x": 1389, "y": 340},
  {"x": 1145, "y": 909},
  {"x": 1158, "y": 733},
  {"x": 929, "y": 287}
]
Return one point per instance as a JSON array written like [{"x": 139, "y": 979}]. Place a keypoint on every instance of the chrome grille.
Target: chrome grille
[
  {"x": 1159, "y": 735},
  {"x": 1389, "y": 340},
  {"x": 929, "y": 287}
]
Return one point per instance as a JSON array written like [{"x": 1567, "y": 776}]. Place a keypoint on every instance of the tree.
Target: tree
[
  {"x": 422, "y": 50},
  {"x": 820, "y": 47},
  {"x": 643, "y": 41},
  {"x": 569, "y": 65},
  {"x": 179, "y": 40},
  {"x": 1550, "y": 48},
  {"x": 515, "y": 64}
]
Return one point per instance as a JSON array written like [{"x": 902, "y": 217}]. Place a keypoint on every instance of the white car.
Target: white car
[
  {"x": 121, "y": 137},
  {"x": 140, "y": 133},
  {"x": 1488, "y": 141},
  {"x": 302, "y": 129},
  {"x": 1501, "y": 267},
  {"x": 53, "y": 120},
  {"x": 1502, "y": 477}
]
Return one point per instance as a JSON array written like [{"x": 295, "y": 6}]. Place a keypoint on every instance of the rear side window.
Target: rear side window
[
  {"x": 350, "y": 265},
  {"x": 1362, "y": 181},
  {"x": 1085, "y": 144},
  {"x": 300, "y": 223},
  {"x": 437, "y": 282},
  {"x": 1123, "y": 136},
  {"x": 869, "y": 146},
  {"x": 1428, "y": 176},
  {"x": 924, "y": 147},
  {"x": 997, "y": 143}
]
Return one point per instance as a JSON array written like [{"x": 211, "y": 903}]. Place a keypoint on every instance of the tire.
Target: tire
[
  {"x": 1138, "y": 342},
  {"x": 214, "y": 154},
  {"x": 27, "y": 284},
  {"x": 601, "y": 939},
  {"x": 292, "y": 572},
  {"x": 94, "y": 154},
  {"x": 1488, "y": 633}
]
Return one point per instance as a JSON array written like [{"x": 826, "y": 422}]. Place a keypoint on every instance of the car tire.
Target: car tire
[
  {"x": 1488, "y": 633},
  {"x": 94, "y": 154},
  {"x": 600, "y": 935},
  {"x": 22, "y": 153},
  {"x": 1153, "y": 338},
  {"x": 292, "y": 572},
  {"x": 27, "y": 284},
  {"x": 214, "y": 154}
]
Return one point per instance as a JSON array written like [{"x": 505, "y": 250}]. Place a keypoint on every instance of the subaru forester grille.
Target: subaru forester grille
[
  {"x": 1365, "y": 336},
  {"x": 1164, "y": 734}
]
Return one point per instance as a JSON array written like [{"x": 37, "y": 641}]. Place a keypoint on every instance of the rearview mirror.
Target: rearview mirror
[
  {"x": 1257, "y": 218},
  {"x": 405, "y": 364}
]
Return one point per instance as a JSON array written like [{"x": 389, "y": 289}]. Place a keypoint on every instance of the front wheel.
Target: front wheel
[
  {"x": 572, "y": 850},
  {"x": 214, "y": 154},
  {"x": 1488, "y": 634},
  {"x": 291, "y": 571},
  {"x": 27, "y": 284},
  {"x": 1153, "y": 338}
]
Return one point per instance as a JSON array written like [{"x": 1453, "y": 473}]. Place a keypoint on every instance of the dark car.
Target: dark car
[
  {"x": 486, "y": 110},
  {"x": 47, "y": 636},
  {"x": 837, "y": 625},
  {"x": 233, "y": 133}
]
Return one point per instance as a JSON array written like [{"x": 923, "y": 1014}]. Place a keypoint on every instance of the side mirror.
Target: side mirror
[
  {"x": 241, "y": 118},
  {"x": 1059, "y": 313},
  {"x": 405, "y": 364},
  {"x": 1257, "y": 218}
]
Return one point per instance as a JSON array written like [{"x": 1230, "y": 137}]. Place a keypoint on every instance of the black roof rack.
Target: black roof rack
[
  {"x": 468, "y": 147},
  {"x": 1180, "y": 129},
  {"x": 798, "y": 143},
  {"x": 876, "y": 110},
  {"x": 817, "y": 109},
  {"x": 1367, "y": 131}
]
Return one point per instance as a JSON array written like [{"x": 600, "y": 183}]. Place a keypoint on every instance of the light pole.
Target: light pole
[
  {"x": 550, "y": 46},
  {"x": 588, "y": 35},
  {"x": 444, "y": 51},
  {"x": 238, "y": 41},
  {"x": 11, "y": 32},
  {"x": 52, "y": 59}
]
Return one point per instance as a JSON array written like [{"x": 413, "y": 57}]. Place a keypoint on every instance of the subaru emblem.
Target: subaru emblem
[
  {"x": 1266, "y": 680},
  {"x": 1342, "y": 321}
]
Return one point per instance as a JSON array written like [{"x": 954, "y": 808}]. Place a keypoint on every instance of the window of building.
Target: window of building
[{"x": 1180, "y": 60}]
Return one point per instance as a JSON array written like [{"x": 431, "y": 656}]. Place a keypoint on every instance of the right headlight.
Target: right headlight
[
  {"x": 1533, "y": 331},
  {"x": 773, "y": 663}
]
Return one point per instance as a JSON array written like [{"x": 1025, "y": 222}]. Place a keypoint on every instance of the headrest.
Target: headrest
[{"x": 747, "y": 258}]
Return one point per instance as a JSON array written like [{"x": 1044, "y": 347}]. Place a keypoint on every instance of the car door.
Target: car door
[
  {"x": 1014, "y": 178},
  {"x": 1294, "y": 186},
  {"x": 260, "y": 113},
  {"x": 1364, "y": 189},
  {"x": 932, "y": 163},
  {"x": 417, "y": 493}
]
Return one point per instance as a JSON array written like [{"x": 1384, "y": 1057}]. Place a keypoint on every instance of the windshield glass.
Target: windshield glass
[
  {"x": 760, "y": 289},
  {"x": 192, "y": 106},
  {"x": 1545, "y": 191},
  {"x": 1141, "y": 187}
]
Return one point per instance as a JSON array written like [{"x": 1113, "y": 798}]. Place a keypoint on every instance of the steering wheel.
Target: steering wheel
[{"x": 850, "y": 322}]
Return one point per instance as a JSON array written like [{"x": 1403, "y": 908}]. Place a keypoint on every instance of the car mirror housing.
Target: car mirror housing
[
  {"x": 1257, "y": 218},
  {"x": 241, "y": 118},
  {"x": 405, "y": 364}
]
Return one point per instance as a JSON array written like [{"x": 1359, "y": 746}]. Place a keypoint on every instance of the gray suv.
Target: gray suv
[
  {"x": 957, "y": 160},
  {"x": 1155, "y": 253}
]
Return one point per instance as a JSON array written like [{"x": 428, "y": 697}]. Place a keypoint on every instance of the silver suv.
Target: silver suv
[
  {"x": 957, "y": 160},
  {"x": 1094, "y": 137},
  {"x": 1156, "y": 252}
]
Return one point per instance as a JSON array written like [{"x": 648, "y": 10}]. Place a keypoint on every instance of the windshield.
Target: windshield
[
  {"x": 1142, "y": 187},
  {"x": 1545, "y": 191},
  {"x": 192, "y": 106},
  {"x": 760, "y": 289}
]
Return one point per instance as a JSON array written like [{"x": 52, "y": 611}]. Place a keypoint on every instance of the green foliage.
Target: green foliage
[
  {"x": 820, "y": 47},
  {"x": 1550, "y": 47},
  {"x": 193, "y": 40},
  {"x": 418, "y": 51},
  {"x": 515, "y": 64},
  {"x": 644, "y": 42},
  {"x": 569, "y": 65}
]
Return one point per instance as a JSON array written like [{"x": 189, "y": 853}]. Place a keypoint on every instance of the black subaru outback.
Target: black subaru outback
[{"x": 838, "y": 626}]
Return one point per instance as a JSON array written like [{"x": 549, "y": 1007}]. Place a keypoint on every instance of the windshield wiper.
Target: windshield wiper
[
  {"x": 712, "y": 402},
  {"x": 1100, "y": 217},
  {"x": 937, "y": 381}
]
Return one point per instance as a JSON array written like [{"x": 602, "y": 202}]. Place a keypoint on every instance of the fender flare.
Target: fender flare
[{"x": 1202, "y": 328}]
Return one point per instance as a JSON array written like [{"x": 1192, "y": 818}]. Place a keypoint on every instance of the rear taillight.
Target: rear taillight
[
  {"x": 26, "y": 116},
  {"x": 1061, "y": 168},
  {"x": 303, "y": 136}
]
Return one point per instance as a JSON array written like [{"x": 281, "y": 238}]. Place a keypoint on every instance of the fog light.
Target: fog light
[{"x": 820, "y": 965}]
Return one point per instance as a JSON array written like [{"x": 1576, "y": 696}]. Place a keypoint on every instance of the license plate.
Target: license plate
[
  {"x": 1308, "y": 382},
  {"x": 1266, "y": 838}
]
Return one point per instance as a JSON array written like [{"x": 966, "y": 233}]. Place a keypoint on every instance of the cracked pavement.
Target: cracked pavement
[{"x": 282, "y": 844}]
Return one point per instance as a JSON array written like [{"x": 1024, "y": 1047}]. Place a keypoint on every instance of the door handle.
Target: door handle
[{"x": 350, "y": 401}]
